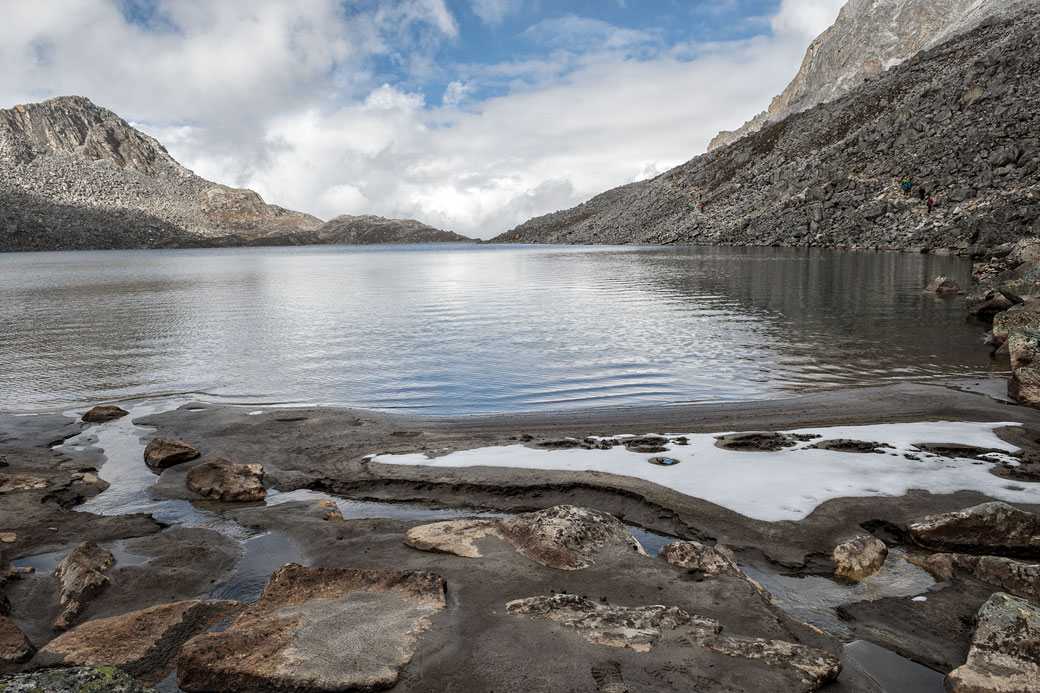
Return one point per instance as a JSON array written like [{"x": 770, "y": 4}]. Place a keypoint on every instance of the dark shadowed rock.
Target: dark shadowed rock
[
  {"x": 15, "y": 648},
  {"x": 846, "y": 445},
  {"x": 638, "y": 628},
  {"x": 454, "y": 536},
  {"x": 103, "y": 413},
  {"x": 1024, "y": 347},
  {"x": 166, "y": 452},
  {"x": 228, "y": 481},
  {"x": 317, "y": 629},
  {"x": 1005, "y": 650},
  {"x": 992, "y": 528},
  {"x": 142, "y": 643},
  {"x": 73, "y": 680},
  {"x": 82, "y": 577},
  {"x": 755, "y": 441},
  {"x": 859, "y": 556},
  {"x": 566, "y": 537},
  {"x": 815, "y": 667},
  {"x": 708, "y": 561},
  {"x": 942, "y": 285},
  {"x": 1015, "y": 577}
]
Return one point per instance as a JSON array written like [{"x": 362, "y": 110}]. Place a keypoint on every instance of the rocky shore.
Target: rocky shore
[{"x": 268, "y": 550}]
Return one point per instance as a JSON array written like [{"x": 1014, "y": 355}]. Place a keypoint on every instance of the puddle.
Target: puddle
[
  {"x": 892, "y": 673},
  {"x": 813, "y": 598}
]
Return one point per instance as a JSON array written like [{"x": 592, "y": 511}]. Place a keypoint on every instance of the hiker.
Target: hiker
[
  {"x": 930, "y": 205},
  {"x": 702, "y": 207},
  {"x": 920, "y": 193},
  {"x": 907, "y": 185}
]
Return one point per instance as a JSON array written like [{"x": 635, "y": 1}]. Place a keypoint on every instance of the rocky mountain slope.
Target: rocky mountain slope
[
  {"x": 962, "y": 119},
  {"x": 364, "y": 230},
  {"x": 76, "y": 176},
  {"x": 869, "y": 37}
]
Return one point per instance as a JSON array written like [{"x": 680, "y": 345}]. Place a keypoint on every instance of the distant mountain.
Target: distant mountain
[
  {"x": 962, "y": 119},
  {"x": 76, "y": 176},
  {"x": 364, "y": 230},
  {"x": 869, "y": 37}
]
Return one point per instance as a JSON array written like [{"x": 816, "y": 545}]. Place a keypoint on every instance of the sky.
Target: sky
[{"x": 469, "y": 115}]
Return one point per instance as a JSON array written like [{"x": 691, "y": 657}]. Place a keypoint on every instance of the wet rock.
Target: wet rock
[
  {"x": 638, "y": 628},
  {"x": 142, "y": 643},
  {"x": 708, "y": 561},
  {"x": 103, "y": 413},
  {"x": 1024, "y": 347},
  {"x": 317, "y": 629},
  {"x": 166, "y": 452},
  {"x": 73, "y": 680},
  {"x": 646, "y": 444},
  {"x": 1024, "y": 386},
  {"x": 15, "y": 648},
  {"x": 993, "y": 528},
  {"x": 985, "y": 301},
  {"x": 9, "y": 483},
  {"x": 1005, "y": 650},
  {"x": 942, "y": 285},
  {"x": 816, "y": 668},
  {"x": 1021, "y": 290},
  {"x": 228, "y": 481},
  {"x": 859, "y": 556},
  {"x": 566, "y": 537},
  {"x": 454, "y": 536},
  {"x": 846, "y": 445},
  {"x": 958, "y": 450},
  {"x": 82, "y": 577},
  {"x": 1021, "y": 316},
  {"x": 1015, "y": 577},
  {"x": 331, "y": 510},
  {"x": 755, "y": 441}
]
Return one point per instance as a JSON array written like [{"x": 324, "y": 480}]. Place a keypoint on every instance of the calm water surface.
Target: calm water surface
[{"x": 468, "y": 328}]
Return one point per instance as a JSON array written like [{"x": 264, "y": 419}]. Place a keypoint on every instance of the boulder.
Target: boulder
[
  {"x": 565, "y": 537},
  {"x": 1023, "y": 345},
  {"x": 707, "y": 561},
  {"x": 994, "y": 528},
  {"x": 1015, "y": 577},
  {"x": 317, "y": 629},
  {"x": 166, "y": 452},
  {"x": 82, "y": 577},
  {"x": 228, "y": 481},
  {"x": 942, "y": 285},
  {"x": 755, "y": 441},
  {"x": 1024, "y": 250},
  {"x": 1024, "y": 386},
  {"x": 454, "y": 536},
  {"x": 1026, "y": 315},
  {"x": 9, "y": 483},
  {"x": 330, "y": 509},
  {"x": 984, "y": 300},
  {"x": 15, "y": 648},
  {"x": 816, "y": 668},
  {"x": 73, "y": 680},
  {"x": 1021, "y": 290},
  {"x": 860, "y": 556},
  {"x": 1005, "y": 649},
  {"x": 637, "y": 628},
  {"x": 142, "y": 643},
  {"x": 103, "y": 413}
]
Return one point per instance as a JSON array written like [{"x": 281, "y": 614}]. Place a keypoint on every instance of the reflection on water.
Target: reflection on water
[{"x": 472, "y": 328}]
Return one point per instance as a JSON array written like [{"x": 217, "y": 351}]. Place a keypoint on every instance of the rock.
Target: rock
[
  {"x": 645, "y": 444},
  {"x": 708, "y": 561},
  {"x": 1021, "y": 290},
  {"x": 1024, "y": 386},
  {"x": 565, "y": 537},
  {"x": 103, "y": 413},
  {"x": 1005, "y": 649},
  {"x": 764, "y": 441},
  {"x": 638, "y": 628},
  {"x": 7, "y": 570},
  {"x": 939, "y": 566},
  {"x": 985, "y": 300},
  {"x": 166, "y": 452},
  {"x": 15, "y": 648},
  {"x": 454, "y": 536},
  {"x": 1015, "y": 577},
  {"x": 942, "y": 285},
  {"x": 1025, "y": 250},
  {"x": 815, "y": 667},
  {"x": 1023, "y": 345},
  {"x": 317, "y": 629},
  {"x": 992, "y": 528},
  {"x": 228, "y": 481},
  {"x": 846, "y": 445},
  {"x": 10, "y": 483},
  {"x": 859, "y": 556},
  {"x": 73, "y": 680},
  {"x": 82, "y": 577},
  {"x": 142, "y": 643},
  {"x": 332, "y": 513}
]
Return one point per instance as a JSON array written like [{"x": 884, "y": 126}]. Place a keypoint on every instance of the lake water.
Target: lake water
[{"x": 468, "y": 328}]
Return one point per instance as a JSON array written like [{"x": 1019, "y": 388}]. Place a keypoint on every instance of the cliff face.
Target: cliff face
[
  {"x": 869, "y": 37},
  {"x": 962, "y": 119}
]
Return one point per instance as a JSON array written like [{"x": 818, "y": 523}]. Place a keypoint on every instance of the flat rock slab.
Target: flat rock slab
[
  {"x": 859, "y": 556},
  {"x": 9, "y": 483},
  {"x": 1016, "y": 577},
  {"x": 816, "y": 668},
  {"x": 103, "y": 413},
  {"x": 14, "y": 646},
  {"x": 991, "y": 528},
  {"x": 73, "y": 680},
  {"x": 1005, "y": 650},
  {"x": 317, "y": 629},
  {"x": 706, "y": 561},
  {"x": 142, "y": 643},
  {"x": 161, "y": 453},
  {"x": 454, "y": 536},
  {"x": 227, "y": 481},
  {"x": 566, "y": 537}
]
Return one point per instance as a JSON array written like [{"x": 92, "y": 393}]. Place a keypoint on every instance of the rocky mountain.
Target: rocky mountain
[
  {"x": 76, "y": 176},
  {"x": 364, "y": 230},
  {"x": 962, "y": 119},
  {"x": 869, "y": 37}
]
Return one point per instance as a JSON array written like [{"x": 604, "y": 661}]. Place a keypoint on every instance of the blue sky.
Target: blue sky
[{"x": 471, "y": 115}]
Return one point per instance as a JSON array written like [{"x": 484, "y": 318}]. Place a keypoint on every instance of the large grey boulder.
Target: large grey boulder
[
  {"x": 1024, "y": 386},
  {"x": 1005, "y": 649},
  {"x": 566, "y": 537},
  {"x": 224, "y": 480},
  {"x": 994, "y": 528},
  {"x": 1024, "y": 346},
  {"x": 82, "y": 578},
  {"x": 1026, "y": 315}
]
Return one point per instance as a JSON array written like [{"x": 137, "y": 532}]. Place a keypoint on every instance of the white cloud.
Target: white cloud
[
  {"x": 289, "y": 99},
  {"x": 493, "y": 12}
]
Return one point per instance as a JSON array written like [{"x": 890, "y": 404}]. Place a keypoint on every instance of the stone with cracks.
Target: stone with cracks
[
  {"x": 859, "y": 556},
  {"x": 103, "y": 413},
  {"x": 1024, "y": 347},
  {"x": 709, "y": 561},
  {"x": 638, "y": 628},
  {"x": 565, "y": 537},
  {"x": 1005, "y": 649},
  {"x": 317, "y": 629},
  {"x": 228, "y": 481},
  {"x": 1026, "y": 316},
  {"x": 82, "y": 577},
  {"x": 454, "y": 536},
  {"x": 994, "y": 528},
  {"x": 815, "y": 667},
  {"x": 142, "y": 643},
  {"x": 166, "y": 452},
  {"x": 15, "y": 648}
]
